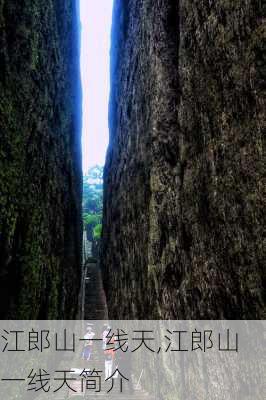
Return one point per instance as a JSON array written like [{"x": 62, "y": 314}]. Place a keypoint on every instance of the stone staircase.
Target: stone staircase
[
  {"x": 95, "y": 308},
  {"x": 87, "y": 247}
]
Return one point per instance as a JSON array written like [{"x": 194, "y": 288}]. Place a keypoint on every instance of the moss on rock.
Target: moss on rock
[{"x": 40, "y": 159}]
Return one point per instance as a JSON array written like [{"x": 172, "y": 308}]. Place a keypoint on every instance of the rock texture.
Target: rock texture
[
  {"x": 40, "y": 160},
  {"x": 184, "y": 203}
]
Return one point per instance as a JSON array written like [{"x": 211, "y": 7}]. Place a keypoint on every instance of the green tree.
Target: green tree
[
  {"x": 97, "y": 232},
  {"x": 93, "y": 202},
  {"x": 93, "y": 190}
]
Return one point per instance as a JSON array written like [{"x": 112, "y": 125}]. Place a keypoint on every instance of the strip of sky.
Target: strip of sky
[{"x": 96, "y": 20}]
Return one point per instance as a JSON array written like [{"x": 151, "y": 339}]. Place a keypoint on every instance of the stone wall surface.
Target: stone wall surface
[
  {"x": 40, "y": 159},
  {"x": 184, "y": 201}
]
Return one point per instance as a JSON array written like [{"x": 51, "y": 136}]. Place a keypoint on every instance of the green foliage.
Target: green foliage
[
  {"x": 97, "y": 232},
  {"x": 95, "y": 174},
  {"x": 91, "y": 220},
  {"x": 92, "y": 198},
  {"x": 93, "y": 190},
  {"x": 93, "y": 202}
]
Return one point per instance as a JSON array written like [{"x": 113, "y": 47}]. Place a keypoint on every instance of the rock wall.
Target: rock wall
[
  {"x": 40, "y": 159},
  {"x": 184, "y": 196}
]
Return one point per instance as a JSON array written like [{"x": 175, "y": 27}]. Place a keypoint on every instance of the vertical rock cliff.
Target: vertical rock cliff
[
  {"x": 184, "y": 203},
  {"x": 40, "y": 159}
]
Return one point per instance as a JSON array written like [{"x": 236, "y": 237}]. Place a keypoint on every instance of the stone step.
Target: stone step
[{"x": 95, "y": 308}]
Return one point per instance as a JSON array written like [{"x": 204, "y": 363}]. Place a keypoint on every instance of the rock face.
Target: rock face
[
  {"x": 184, "y": 203},
  {"x": 40, "y": 160}
]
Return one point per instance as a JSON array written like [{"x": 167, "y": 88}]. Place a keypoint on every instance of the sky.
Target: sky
[{"x": 96, "y": 18}]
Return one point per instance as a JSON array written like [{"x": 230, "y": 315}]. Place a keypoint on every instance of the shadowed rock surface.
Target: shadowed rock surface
[
  {"x": 184, "y": 202},
  {"x": 40, "y": 159}
]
